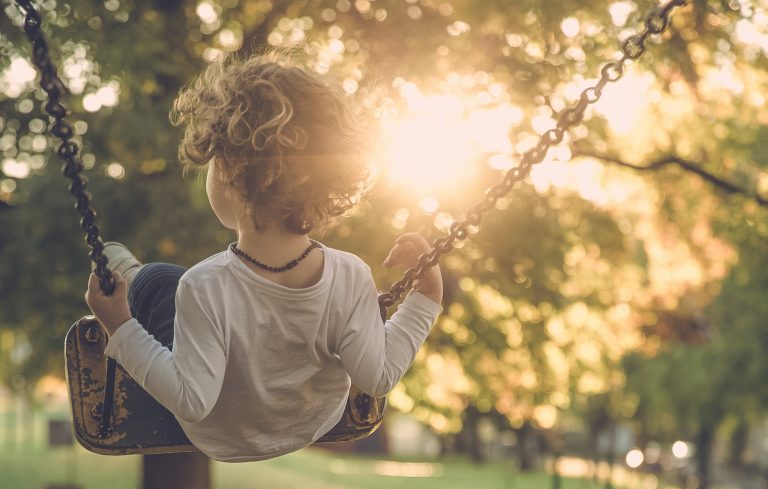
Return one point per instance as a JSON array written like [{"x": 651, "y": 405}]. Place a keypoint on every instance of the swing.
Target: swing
[{"x": 112, "y": 414}]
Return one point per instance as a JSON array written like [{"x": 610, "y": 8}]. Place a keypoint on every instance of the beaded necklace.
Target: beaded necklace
[{"x": 264, "y": 266}]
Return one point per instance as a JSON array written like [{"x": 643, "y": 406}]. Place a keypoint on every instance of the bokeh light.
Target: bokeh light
[
  {"x": 680, "y": 449},
  {"x": 106, "y": 96},
  {"x": 14, "y": 168},
  {"x": 17, "y": 77},
  {"x": 207, "y": 12},
  {"x": 635, "y": 458}
]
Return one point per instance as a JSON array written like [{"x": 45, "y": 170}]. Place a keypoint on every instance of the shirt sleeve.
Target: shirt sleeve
[
  {"x": 377, "y": 355},
  {"x": 186, "y": 380}
]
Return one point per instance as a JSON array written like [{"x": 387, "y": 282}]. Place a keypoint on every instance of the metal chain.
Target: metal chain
[
  {"x": 632, "y": 48},
  {"x": 68, "y": 149}
]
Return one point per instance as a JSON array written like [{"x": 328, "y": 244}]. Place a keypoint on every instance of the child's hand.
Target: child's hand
[
  {"x": 111, "y": 310},
  {"x": 406, "y": 252}
]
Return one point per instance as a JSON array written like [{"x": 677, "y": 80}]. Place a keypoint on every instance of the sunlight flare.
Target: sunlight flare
[
  {"x": 437, "y": 142},
  {"x": 428, "y": 151}
]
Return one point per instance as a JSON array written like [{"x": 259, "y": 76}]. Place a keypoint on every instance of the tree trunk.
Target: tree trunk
[
  {"x": 611, "y": 458},
  {"x": 739, "y": 440},
  {"x": 523, "y": 449},
  {"x": 176, "y": 471},
  {"x": 557, "y": 481},
  {"x": 10, "y": 427},
  {"x": 472, "y": 436},
  {"x": 704, "y": 439},
  {"x": 25, "y": 422},
  {"x": 594, "y": 457}
]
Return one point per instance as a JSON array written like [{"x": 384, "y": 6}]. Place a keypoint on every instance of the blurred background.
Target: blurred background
[{"x": 605, "y": 327}]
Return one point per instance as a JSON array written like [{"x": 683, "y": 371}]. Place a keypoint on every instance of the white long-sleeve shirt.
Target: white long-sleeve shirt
[{"x": 258, "y": 369}]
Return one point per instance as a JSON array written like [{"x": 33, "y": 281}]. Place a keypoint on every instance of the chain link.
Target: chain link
[
  {"x": 632, "y": 48},
  {"x": 68, "y": 149}
]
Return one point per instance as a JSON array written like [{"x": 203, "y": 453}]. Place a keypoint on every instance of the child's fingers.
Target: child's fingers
[
  {"x": 120, "y": 284},
  {"x": 400, "y": 254},
  {"x": 409, "y": 237},
  {"x": 415, "y": 241},
  {"x": 119, "y": 279},
  {"x": 93, "y": 283},
  {"x": 394, "y": 256},
  {"x": 388, "y": 261},
  {"x": 407, "y": 249}
]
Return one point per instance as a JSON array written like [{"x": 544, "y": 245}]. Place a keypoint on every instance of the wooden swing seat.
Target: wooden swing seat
[{"x": 138, "y": 423}]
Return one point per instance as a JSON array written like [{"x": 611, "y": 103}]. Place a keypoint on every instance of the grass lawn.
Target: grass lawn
[
  {"x": 307, "y": 469},
  {"x": 27, "y": 462}
]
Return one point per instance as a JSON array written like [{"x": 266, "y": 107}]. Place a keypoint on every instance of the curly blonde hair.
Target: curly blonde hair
[{"x": 284, "y": 139}]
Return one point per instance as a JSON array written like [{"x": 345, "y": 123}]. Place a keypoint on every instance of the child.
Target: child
[{"x": 254, "y": 348}]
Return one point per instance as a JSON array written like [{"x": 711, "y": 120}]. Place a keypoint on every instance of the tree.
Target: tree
[{"x": 552, "y": 292}]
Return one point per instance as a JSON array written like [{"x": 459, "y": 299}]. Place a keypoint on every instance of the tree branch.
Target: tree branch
[{"x": 689, "y": 166}]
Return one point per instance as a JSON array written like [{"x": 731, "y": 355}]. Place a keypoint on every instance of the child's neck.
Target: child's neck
[
  {"x": 273, "y": 245},
  {"x": 276, "y": 247}
]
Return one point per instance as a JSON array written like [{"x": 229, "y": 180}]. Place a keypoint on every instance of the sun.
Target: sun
[
  {"x": 439, "y": 140},
  {"x": 428, "y": 152},
  {"x": 437, "y": 143}
]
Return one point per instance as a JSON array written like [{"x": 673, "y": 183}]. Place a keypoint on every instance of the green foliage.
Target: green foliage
[{"x": 552, "y": 292}]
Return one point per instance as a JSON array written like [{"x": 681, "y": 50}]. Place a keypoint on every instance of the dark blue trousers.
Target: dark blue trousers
[{"x": 151, "y": 298}]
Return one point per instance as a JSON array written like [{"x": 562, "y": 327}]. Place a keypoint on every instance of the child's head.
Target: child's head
[{"x": 284, "y": 140}]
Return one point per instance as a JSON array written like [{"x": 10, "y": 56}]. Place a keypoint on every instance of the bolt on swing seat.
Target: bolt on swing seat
[{"x": 113, "y": 415}]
